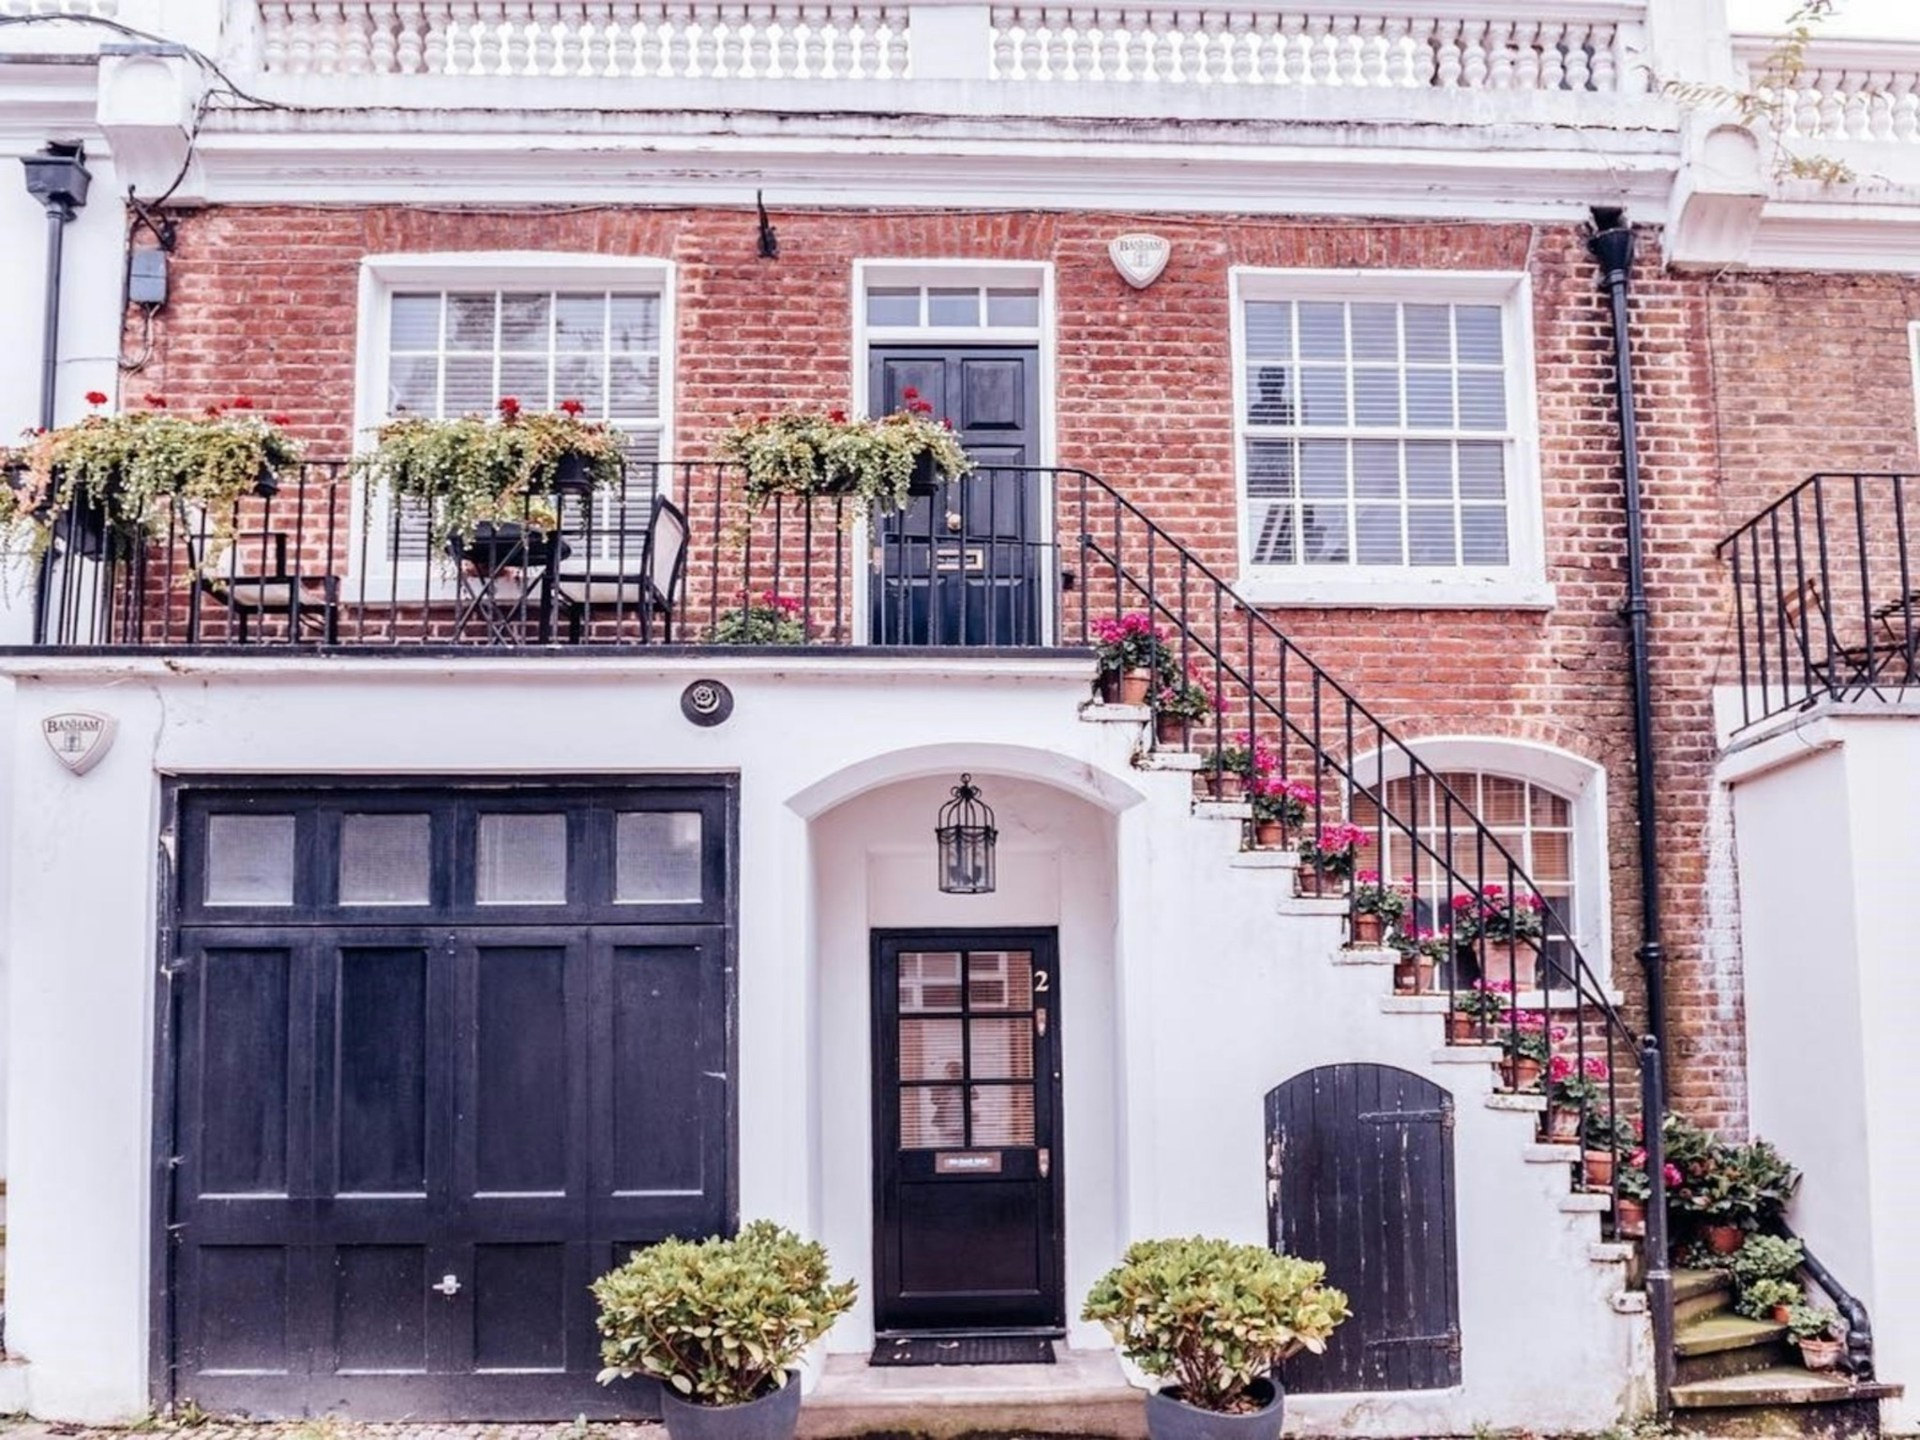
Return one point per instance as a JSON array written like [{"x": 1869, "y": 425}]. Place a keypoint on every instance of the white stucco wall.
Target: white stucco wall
[
  {"x": 1192, "y": 986},
  {"x": 1827, "y": 816}
]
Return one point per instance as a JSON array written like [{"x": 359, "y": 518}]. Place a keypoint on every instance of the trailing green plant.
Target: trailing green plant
[
  {"x": 490, "y": 470},
  {"x": 141, "y": 471},
  {"x": 1766, "y": 1257},
  {"x": 1759, "y": 1299},
  {"x": 768, "y": 618},
  {"x": 803, "y": 452},
  {"x": 1212, "y": 1316},
  {"x": 720, "y": 1320},
  {"x": 1816, "y": 1322}
]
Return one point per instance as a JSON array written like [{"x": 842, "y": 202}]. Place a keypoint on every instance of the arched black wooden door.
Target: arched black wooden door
[{"x": 1360, "y": 1175}]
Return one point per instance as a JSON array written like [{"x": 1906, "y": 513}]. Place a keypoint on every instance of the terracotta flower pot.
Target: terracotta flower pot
[
  {"x": 1125, "y": 687},
  {"x": 1630, "y": 1218},
  {"x": 1599, "y": 1169},
  {"x": 1215, "y": 785},
  {"x": 1780, "y": 1313},
  {"x": 1517, "y": 1072},
  {"x": 1463, "y": 1029},
  {"x": 1415, "y": 977},
  {"x": 1820, "y": 1354},
  {"x": 1312, "y": 880},
  {"x": 1563, "y": 1125},
  {"x": 1725, "y": 1239},
  {"x": 1369, "y": 930},
  {"x": 1170, "y": 731},
  {"x": 1269, "y": 835}
]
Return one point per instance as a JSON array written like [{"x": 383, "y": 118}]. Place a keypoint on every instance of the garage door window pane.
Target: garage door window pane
[
  {"x": 250, "y": 860},
  {"x": 657, "y": 857},
  {"x": 522, "y": 860},
  {"x": 385, "y": 859}
]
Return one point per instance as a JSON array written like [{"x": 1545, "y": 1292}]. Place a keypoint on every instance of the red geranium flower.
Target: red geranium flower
[
  {"x": 839, "y": 417},
  {"x": 571, "y": 407},
  {"x": 96, "y": 397},
  {"x": 508, "y": 406},
  {"x": 241, "y": 402},
  {"x": 912, "y": 392},
  {"x": 281, "y": 419},
  {"x": 154, "y": 402}
]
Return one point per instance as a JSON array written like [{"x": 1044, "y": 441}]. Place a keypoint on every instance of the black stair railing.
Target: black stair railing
[
  {"x": 1825, "y": 585},
  {"x": 1858, "y": 1360},
  {"x": 1506, "y": 951}
]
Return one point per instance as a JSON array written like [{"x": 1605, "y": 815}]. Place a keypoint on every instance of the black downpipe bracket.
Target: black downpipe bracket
[
  {"x": 58, "y": 178},
  {"x": 1612, "y": 248}
]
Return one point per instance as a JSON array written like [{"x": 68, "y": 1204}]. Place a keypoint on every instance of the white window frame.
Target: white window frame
[
  {"x": 1582, "y": 782},
  {"x": 508, "y": 270},
  {"x": 871, "y": 273},
  {"x": 1519, "y": 584}
]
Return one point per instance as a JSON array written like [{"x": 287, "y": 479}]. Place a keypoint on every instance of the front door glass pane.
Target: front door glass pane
[
  {"x": 929, "y": 981},
  {"x": 1002, "y": 1115}
]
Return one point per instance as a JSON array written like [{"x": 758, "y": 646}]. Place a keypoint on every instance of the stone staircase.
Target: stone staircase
[{"x": 1743, "y": 1378}]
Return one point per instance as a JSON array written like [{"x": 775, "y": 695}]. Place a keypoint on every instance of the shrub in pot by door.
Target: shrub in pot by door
[
  {"x": 1129, "y": 650},
  {"x": 1280, "y": 808},
  {"x": 1214, "y": 1320},
  {"x": 1377, "y": 909},
  {"x": 1327, "y": 860},
  {"x": 1819, "y": 1332},
  {"x": 720, "y": 1324}
]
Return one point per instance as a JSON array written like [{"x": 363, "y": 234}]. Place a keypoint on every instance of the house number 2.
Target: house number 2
[{"x": 1041, "y": 983}]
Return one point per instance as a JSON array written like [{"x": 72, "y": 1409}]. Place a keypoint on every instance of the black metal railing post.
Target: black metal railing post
[{"x": 1653, "y": 1109}]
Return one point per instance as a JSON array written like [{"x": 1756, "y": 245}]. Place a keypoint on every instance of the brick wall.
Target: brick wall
[{"x": 1744, "y": 384}]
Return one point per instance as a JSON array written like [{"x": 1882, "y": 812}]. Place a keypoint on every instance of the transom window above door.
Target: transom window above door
[
  {"x": 966, "y": 307},
  {"x": 1386, "y": 437},
  {"x": 917, "y": 301}
]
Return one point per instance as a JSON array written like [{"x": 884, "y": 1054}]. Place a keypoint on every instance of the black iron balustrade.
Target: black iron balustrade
[{"x": 1826, "y": 594}]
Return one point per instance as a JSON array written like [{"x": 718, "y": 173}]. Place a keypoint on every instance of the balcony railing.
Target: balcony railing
[{"x": 1826, "y": 593}]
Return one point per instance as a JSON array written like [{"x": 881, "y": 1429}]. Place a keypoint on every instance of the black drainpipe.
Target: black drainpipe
[
  {"x": 57, "y": 177},
  {"x": 1612, "y": 247}
]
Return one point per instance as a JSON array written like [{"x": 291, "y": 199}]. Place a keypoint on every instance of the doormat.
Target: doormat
[{"x": 965, "y": 1350}]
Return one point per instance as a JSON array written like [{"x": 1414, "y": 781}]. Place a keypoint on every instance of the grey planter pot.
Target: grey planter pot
[
  {"x": 1170, "y": 1418},
  {"x": 771, "y": 1417}
]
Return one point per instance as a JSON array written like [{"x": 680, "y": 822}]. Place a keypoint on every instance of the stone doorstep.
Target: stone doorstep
[
  {"x": 1083, "y": 1394},
  {"x": 1781, "y": 1385}
]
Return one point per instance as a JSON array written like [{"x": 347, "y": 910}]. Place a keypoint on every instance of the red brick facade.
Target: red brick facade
[{"x": 1745, "y": 385}]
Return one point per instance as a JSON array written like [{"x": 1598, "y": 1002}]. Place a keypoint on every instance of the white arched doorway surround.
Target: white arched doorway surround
[{"x": 871, "y": 861}]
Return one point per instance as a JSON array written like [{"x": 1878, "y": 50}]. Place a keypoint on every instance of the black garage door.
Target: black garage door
[{"x": 433, "y": 1058}]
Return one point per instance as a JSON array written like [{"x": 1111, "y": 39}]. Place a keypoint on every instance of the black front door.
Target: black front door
[
  {"x": 962, "y": 567},
  {"x": 968, "y": 1231},
  {"x": 439, "y": 1057}
]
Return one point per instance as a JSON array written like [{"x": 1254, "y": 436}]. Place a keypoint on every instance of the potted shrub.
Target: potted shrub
[
  {"x": 720, "y": 1323},
  {"x": 883, "y": 462},
  {"x": 1477, "y": 1008},
  {"x": 142, "y": 471},
  {"x": 1420, "y": 954},
  {"x": 1327, "y": 860},
  {"x": 1736, "y": 1190},
  {"x": 1526, "y": 1044},
  {"x": 1819, "y": 1332},
  {"x": 1214, "y": 1319},
  {"x": 1574, "y": 1091},
  {"x": 768, "y": 618},
  {"x": 1129, "y": 652},
  {"x": 1180, "y": 702},
  {"x": 1279, "y": 809},
  {"x": 1761, "y": 1267},
  {"x": 1770, "y": 1299},
  {"x": 1377, "y": 908}
]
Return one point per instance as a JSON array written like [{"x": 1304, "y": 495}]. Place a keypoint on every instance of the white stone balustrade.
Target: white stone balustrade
[
  {"x": 1843, "y": 92},
  {"x": 106, "y": 9},
  {"x": 1595, "y": 48},
  {"x": 1565, "y": 46},
  {"x": 856, "y": 40}
]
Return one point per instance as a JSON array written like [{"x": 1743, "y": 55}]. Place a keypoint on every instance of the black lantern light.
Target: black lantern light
[{"x": 966, "y": 836}]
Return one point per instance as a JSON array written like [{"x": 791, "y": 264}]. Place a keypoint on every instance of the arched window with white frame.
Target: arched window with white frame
[{"x": 1546, "y": 807}]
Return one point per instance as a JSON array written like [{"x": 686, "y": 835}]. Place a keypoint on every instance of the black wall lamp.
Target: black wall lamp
[{"x": 967, "y": 838}]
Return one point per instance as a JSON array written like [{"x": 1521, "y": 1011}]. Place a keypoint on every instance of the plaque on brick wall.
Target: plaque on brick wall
[{"x": 1140, "y": 258}]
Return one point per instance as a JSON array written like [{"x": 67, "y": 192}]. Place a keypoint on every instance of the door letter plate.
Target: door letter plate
[{"x": 967, "y": 1162}]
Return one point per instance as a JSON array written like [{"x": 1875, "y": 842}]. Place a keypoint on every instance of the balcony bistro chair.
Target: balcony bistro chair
[
  {"x": 229, "y": 571},
  {"x": 645, "y": 579}
]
